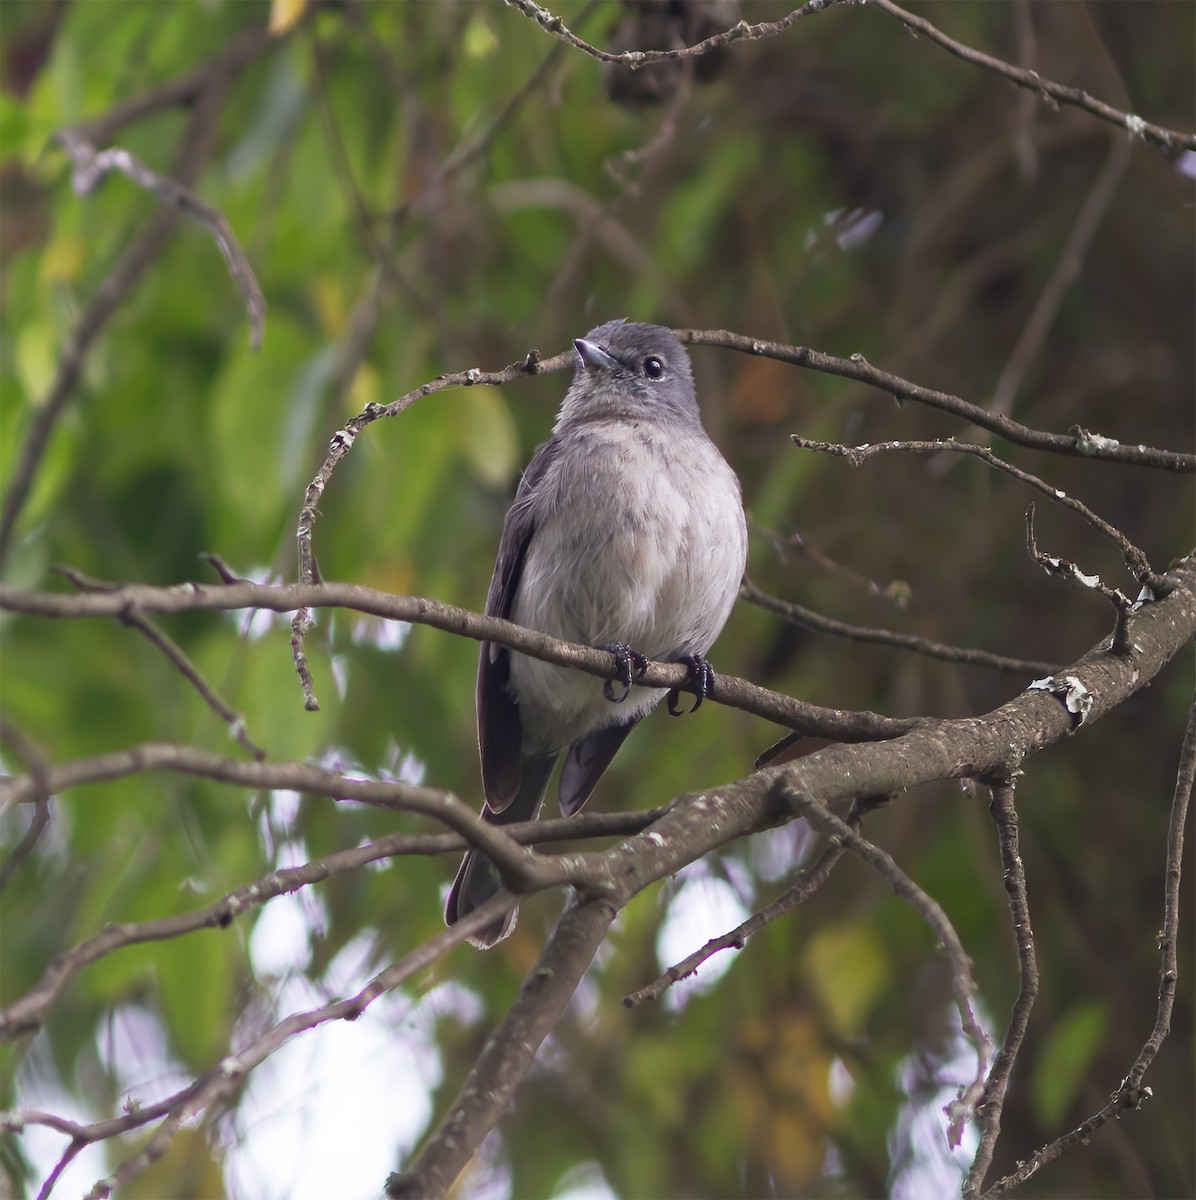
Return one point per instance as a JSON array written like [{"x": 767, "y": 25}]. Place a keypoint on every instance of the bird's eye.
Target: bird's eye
[{"x": 653, "y": 368}]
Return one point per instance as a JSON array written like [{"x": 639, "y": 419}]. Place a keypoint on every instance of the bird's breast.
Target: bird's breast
[{"x": 640, "y": 538}]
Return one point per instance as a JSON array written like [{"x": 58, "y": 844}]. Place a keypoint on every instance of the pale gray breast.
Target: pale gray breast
[{"x": 640, "y": 538}]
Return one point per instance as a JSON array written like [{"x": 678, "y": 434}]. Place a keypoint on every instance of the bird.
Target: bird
[{"x": 628, "y": 533}]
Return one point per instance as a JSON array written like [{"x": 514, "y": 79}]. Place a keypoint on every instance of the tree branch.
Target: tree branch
[
  {"x": 194, "y": 597},
  {"x": 140, "y": 253},
  {"x": 509, "y": 1052},
  {"x": 91, "y": 165},
  {"x": 1047, "y": 90},
  {"x": 30, "y": 753},
  {"x": 1131, "y": 1094},
  {"x": 1079, "y": 443},
  {"x": 980, "y": 746},
  {"x": 219, "y": 1083},
  {"x": 28, "y": 1013},
  {"x": 1005, "y": 816},
  {"x": 742, "y": 32},
  {"x": 178, "y": 659},
  {"x": 808, "y": 881},
  {"x": 1135, "y": 559},
  {"x": 806, "y": 618},
  {"x": 962, "y": 984}
]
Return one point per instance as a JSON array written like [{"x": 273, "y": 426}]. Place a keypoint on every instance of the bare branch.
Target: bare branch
[
  {"x": 1131, "y": 1094},
  {"x": 742, "y": 32},
  {"x": 176, "y": 656},
  {"x": 437, "y": 803},
  {"x": 962, "y": 984},
  {"x": 1067, "y": 270},
  {"x": 984, "y": 745},
  {"x": 1185, "y": 782},
  {"x": 192, "y": 597},
  {"x": 1047, "y": 90},
  {"x": 30, "y": 753},
  {"x": 1005, "y": 816},
  {"x": 340, "y": 445},
  {"x": 509, "y": 1051},
  {"x": 1135, "y": 559},
  {"x": 895, "y": 592},
  {"x": 1080, "y": 443},
  {"x": 218, "y": 1084},
  {"x": 808, "y": 881},
  {"x": 1064, "y": 569},
  {"x": 92, "y": 165},
  {"x": 28, "y": 1013},
  {"x": 140, "y": 253},
  {"x": 806, "y": 618}
]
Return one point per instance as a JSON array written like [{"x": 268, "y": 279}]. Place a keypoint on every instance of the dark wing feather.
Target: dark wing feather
[
  {"x": 500, "y": 732},
  {"x": 587, "y": 759}
]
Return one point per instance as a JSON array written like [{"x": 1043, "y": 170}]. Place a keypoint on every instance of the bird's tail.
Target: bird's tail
[{"x": 478, "y": 879}]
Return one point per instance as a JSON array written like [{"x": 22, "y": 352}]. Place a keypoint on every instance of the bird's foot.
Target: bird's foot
[
  {"x": 701, "y": 679},
  {"x": 629, "y": 663}
]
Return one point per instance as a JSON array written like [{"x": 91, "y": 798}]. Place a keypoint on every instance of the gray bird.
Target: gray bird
[{"x": 627, "y": 533}]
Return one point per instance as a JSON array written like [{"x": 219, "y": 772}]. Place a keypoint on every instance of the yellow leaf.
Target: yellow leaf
[
  {"x": 284, "y": 14},
  {"x": 366, "y": 388},
  {"x": 61, "y": 260},
  {"x": 487, "y": 434},
  {"x": 848, "y": 967}
]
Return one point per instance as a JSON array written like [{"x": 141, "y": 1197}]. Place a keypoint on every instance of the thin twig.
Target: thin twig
[
  {"x": 1135, "y": 559},
  {"x": 1005, "y": 816},
  {"x": 1131, "y": 1094},
  {"x": 1134, "y": 126},
  {"x": 374, "y": 248},
  {"x": 340, "y": 445},
  {"x": 843, "y": 724},
  {"x": 808, "y": 880},
  {"x": 1065, "y": 569},
  {"x": 30, "y": 753},
  {"x": 138, "y": 256},
  {"x": 176, "y": 655},
  {"x": 742, "y": 32},
  {"x": 91, "y": 165},
  {"x": 85, "y": 1135},
  {"x": 1079, "y": 443},
  {"x": 1185, "y": 781},
  {"x": 806, "y": 618},
  {"x": 1058, "y": 93},
  {"x": 962, "y": 984},
  {"x": 1067, "y": 270},
  {"x": 28, "y": 1013},
  {"x": 219, "y": 1083},
  {"x": 896, "y": 592}
]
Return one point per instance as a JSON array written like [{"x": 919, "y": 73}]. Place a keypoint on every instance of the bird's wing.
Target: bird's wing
[
  {"x": 586, "y": 761},
  {"x": 500, "y": 732}
]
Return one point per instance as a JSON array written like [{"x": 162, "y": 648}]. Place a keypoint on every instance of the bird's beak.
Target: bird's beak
[{"x": 593, "y": 356}]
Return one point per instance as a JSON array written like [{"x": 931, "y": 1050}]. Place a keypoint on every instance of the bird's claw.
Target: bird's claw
[
  {"x": 701, "y": 678},
  {"x": 629, "y": 663}
]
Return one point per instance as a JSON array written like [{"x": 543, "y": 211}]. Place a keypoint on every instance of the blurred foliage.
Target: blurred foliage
[{"x": 432, "y": 184}]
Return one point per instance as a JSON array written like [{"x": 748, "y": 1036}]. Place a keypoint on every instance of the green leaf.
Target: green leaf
[
  {"x": 488, "y": 435},
  {"x": 1068, "y": 1052},
  {"x": 847, "y": 967}
]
